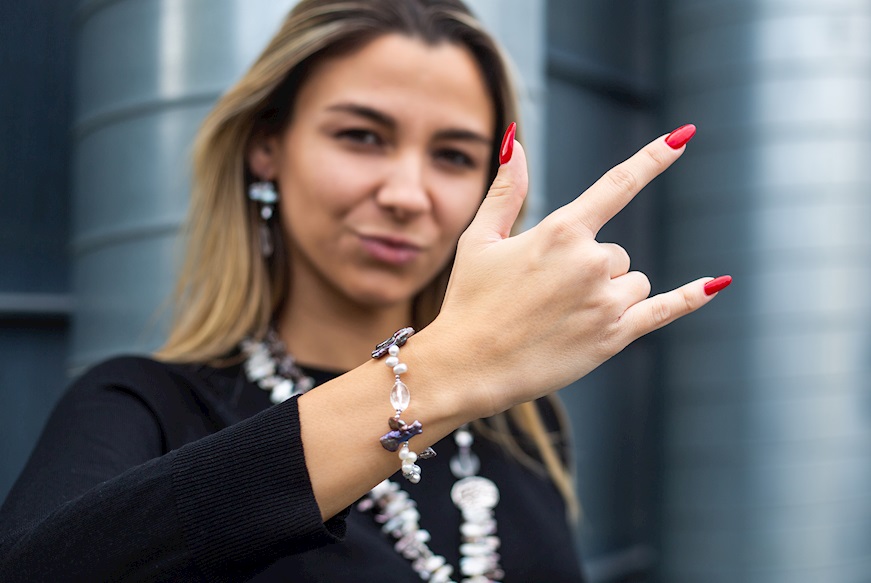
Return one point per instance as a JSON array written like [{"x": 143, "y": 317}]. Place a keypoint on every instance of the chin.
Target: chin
[
  {"x": 376, "y": 293},
  {"x": 377, "y": 299}
]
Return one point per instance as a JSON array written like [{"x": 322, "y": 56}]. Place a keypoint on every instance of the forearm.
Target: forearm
[
  {"x": 104, "y": 534},
  {"x": 227, "y": 503},
  {"x": 342, "y": 421}
]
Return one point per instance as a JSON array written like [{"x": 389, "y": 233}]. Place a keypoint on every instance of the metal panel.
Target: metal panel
[
  {"x": 148, "y": 71},
  {"x": 35, "y": 100},
  {"x": 768, "y": 444},
  {"x": 602, "y": 100}
]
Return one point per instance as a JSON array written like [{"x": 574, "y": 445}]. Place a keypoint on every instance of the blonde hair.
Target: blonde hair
[{"x": 227, "y": 290}]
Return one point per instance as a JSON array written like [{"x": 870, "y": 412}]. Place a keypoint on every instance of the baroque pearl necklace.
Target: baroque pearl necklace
[{"x": 273, "y": 369}]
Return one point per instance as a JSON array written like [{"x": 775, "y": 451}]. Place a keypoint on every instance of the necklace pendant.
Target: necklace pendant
[
  {"x": 464, "y": 464},
  {"x": 475, "y": 493}
]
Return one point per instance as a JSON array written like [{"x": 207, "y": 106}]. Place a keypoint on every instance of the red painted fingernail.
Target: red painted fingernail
[
  {"x": 679, "y": 137},
  {"x": 718, "y": 284},
  {"x": 507, "y": 144}
]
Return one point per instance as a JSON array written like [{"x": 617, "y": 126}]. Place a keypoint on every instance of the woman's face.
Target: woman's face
[{"x": 381, "y": 168}]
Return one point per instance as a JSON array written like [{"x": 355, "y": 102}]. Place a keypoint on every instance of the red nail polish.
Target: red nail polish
[
  {"x": 507, "y": 144},
  {"x": 679, "y": 137},
  {"x": 718, "y": 284}
]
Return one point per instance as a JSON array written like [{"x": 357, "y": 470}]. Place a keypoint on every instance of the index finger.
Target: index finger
[{"x": 613, "y": 191}]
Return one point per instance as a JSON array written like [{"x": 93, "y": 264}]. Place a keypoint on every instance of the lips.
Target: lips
[{"x": 390, "y": 250}]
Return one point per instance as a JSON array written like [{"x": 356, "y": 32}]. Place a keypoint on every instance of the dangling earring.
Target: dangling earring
[{"x": 264, "y": 192}]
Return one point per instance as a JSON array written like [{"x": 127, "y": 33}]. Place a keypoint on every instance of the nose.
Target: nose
[{"x": 403, "y": 191}]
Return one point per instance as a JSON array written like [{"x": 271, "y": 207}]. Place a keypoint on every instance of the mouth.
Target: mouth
[{"x": 390, "y": 250}]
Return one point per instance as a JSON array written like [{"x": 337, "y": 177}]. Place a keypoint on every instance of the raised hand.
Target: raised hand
[{"x": 541, "y": 309}]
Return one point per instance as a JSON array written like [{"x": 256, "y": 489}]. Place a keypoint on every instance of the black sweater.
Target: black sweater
[{"x": 155, "y": 472}]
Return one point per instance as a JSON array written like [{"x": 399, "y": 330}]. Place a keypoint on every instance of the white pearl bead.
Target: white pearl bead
[
  {"x": 433, "y": 563},
  {"x": 472, "y": 530},
  {"x": 414, "y": 478},
  {"x": 474, "y": 550},
  {"x": 410, "y": 515},
  {"x": 411, "y": 457},
  {"x": 393, "y": 350},
  {"x": 391, "y": 361},
  {"x": 473, "y": 565},
  {"x": 400, "y": 368},
  {"x": 463, "y": 438},
  {"x": 443, "y": 574}
]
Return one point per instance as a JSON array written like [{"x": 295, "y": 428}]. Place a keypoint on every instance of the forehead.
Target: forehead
[{"x": 404, "y": 75}]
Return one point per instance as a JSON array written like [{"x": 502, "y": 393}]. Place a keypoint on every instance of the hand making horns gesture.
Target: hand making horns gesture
[
  {"x": 541, "y": 309},
  {"x": 523, "y": 316}
]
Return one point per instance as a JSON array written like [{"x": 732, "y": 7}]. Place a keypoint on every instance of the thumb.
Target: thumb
[{"x": 500, "y": 208}]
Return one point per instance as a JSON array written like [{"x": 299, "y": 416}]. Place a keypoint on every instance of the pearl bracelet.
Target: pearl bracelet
[{"x": 400, "y": 397}]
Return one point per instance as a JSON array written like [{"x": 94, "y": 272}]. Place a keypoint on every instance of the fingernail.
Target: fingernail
[
  {"x": 679, "y": 137},
  {"x": 718, "y": 284},
  {"x": 507, "y": 144}
]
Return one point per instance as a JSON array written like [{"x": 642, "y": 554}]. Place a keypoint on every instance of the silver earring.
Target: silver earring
[{"x": 264, "y": 192}]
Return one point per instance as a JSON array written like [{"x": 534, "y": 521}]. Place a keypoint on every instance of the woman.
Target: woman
[{"x": 332, "y": 186}]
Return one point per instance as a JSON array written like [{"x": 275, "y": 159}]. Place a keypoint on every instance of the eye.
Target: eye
[
  {"x": 454, "y": 158},
  {"x": 360, "y": 136}
]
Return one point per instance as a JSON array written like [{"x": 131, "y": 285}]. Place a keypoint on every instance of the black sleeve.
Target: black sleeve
[{"x": 100, "y": 501}]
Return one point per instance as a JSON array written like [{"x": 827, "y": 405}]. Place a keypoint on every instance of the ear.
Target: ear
[{"x": 263, "y": 155}]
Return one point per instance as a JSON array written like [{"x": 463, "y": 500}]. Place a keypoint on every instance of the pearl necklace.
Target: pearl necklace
[{"x": 273, "y": 369}]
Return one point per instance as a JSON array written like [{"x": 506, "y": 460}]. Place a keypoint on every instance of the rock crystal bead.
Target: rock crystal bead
[{"x": 399, "y": 396}]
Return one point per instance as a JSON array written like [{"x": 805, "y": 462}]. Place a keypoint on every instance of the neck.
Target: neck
[{"x": 327, "y": 331}]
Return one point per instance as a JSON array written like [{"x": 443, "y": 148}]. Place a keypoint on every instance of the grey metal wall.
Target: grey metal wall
[
  {"x": 147, "y": 72},
  {"x": 603, "y": 103},
  {"x": 767, "y": 463},
  {"x": 731, "y": 447},
  {"x": 35, "y": 302}
]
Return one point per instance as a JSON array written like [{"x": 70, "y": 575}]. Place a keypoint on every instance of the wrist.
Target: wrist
[{"x": 444, "y": 377}]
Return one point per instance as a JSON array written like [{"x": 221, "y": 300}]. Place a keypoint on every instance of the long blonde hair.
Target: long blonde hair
[{"x": 227, "y": 290}]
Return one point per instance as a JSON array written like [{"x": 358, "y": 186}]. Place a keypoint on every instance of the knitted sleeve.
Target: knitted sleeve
[{"x": 101, "y": 498}]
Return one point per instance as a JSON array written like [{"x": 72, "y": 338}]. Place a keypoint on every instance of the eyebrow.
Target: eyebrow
[{"x": 382, "y": 118}]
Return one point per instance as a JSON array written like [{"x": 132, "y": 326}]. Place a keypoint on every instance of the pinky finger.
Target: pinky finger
[{"x": 659, "y": 310}]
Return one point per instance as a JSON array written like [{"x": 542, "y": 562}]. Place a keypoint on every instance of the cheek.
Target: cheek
[{"x": 317, "y": 187}]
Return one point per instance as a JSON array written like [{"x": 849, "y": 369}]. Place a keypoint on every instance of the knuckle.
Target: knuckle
[
  {"x": 500, "y": 187},
  {"x": 690, "y": 304},
  {"x": 655, "y": 156},
  {"x": 667, "y": 308},
  {"x": 622, "y": 179},
  {"x": 662, "y": 312},
  {"x": 463, "y": 240},
  {"x": 644, "y": 286},
  {"x": 562, "y": 230},
  {"x": 623, "y": 255},
  {"x": 597, "y": 260}
]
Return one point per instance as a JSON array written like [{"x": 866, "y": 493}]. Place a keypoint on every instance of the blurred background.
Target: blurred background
[{"x": 734, "y": 445}]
